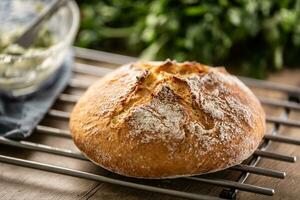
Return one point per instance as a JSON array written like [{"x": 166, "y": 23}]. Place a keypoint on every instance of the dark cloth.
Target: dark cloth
[{"x": 19, "y": 117}]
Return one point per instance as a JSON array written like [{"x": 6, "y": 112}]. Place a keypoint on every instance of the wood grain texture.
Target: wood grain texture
[
  {"x": 23, "y": 183},
  {"x": 289, "y": 187}
]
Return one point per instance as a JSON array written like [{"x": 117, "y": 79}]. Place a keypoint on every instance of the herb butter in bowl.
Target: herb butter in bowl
[{"x": 24, "y": 71}]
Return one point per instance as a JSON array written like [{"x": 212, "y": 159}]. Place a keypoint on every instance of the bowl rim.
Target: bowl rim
[{"x": 70, "y": 35}]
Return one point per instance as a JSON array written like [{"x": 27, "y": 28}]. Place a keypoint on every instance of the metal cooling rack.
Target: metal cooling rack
[{"x": 231, "y": 187}]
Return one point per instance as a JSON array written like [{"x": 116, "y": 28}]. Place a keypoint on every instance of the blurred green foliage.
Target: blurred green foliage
[{"x": 256, "y": 36}]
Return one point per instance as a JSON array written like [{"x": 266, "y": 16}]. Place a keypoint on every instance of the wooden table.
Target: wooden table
[
  {"x": 24, "y": 183},
  {"x": 289, "y": 188}
]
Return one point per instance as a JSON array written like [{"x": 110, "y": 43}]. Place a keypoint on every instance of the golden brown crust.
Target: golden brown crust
[{"x": 167, "y": 119}]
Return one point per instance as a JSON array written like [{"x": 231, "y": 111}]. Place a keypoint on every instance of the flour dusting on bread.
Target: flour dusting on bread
[
  {"x": 165, "y": 119},
  {"x": 160, "y": 120}
]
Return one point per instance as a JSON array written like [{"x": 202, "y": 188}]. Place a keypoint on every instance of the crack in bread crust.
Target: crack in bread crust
[{"x": 166, "y": 119}]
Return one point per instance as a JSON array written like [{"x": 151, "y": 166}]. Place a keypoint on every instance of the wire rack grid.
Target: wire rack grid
[{"x": 229, "y": 187}]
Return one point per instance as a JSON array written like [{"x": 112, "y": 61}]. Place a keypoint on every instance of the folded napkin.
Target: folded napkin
[{"x": 19, "y": 117}]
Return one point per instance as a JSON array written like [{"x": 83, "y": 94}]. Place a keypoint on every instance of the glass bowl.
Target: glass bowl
[{"x": 24, "y": 74}]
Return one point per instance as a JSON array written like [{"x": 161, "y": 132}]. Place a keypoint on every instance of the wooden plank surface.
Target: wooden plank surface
[
  {"x": 289, "y": 188},
  {"x": 23, "y": 183}
]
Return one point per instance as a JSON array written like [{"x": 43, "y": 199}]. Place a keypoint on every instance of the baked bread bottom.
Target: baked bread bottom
[{"x": 167, "y": 119}]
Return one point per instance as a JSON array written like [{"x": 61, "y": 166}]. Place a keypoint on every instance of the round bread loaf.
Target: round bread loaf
[{"x": 167, "y": 119}]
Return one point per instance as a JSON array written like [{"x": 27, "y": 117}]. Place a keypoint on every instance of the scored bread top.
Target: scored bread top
[{"x": 167, "y": 119}]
